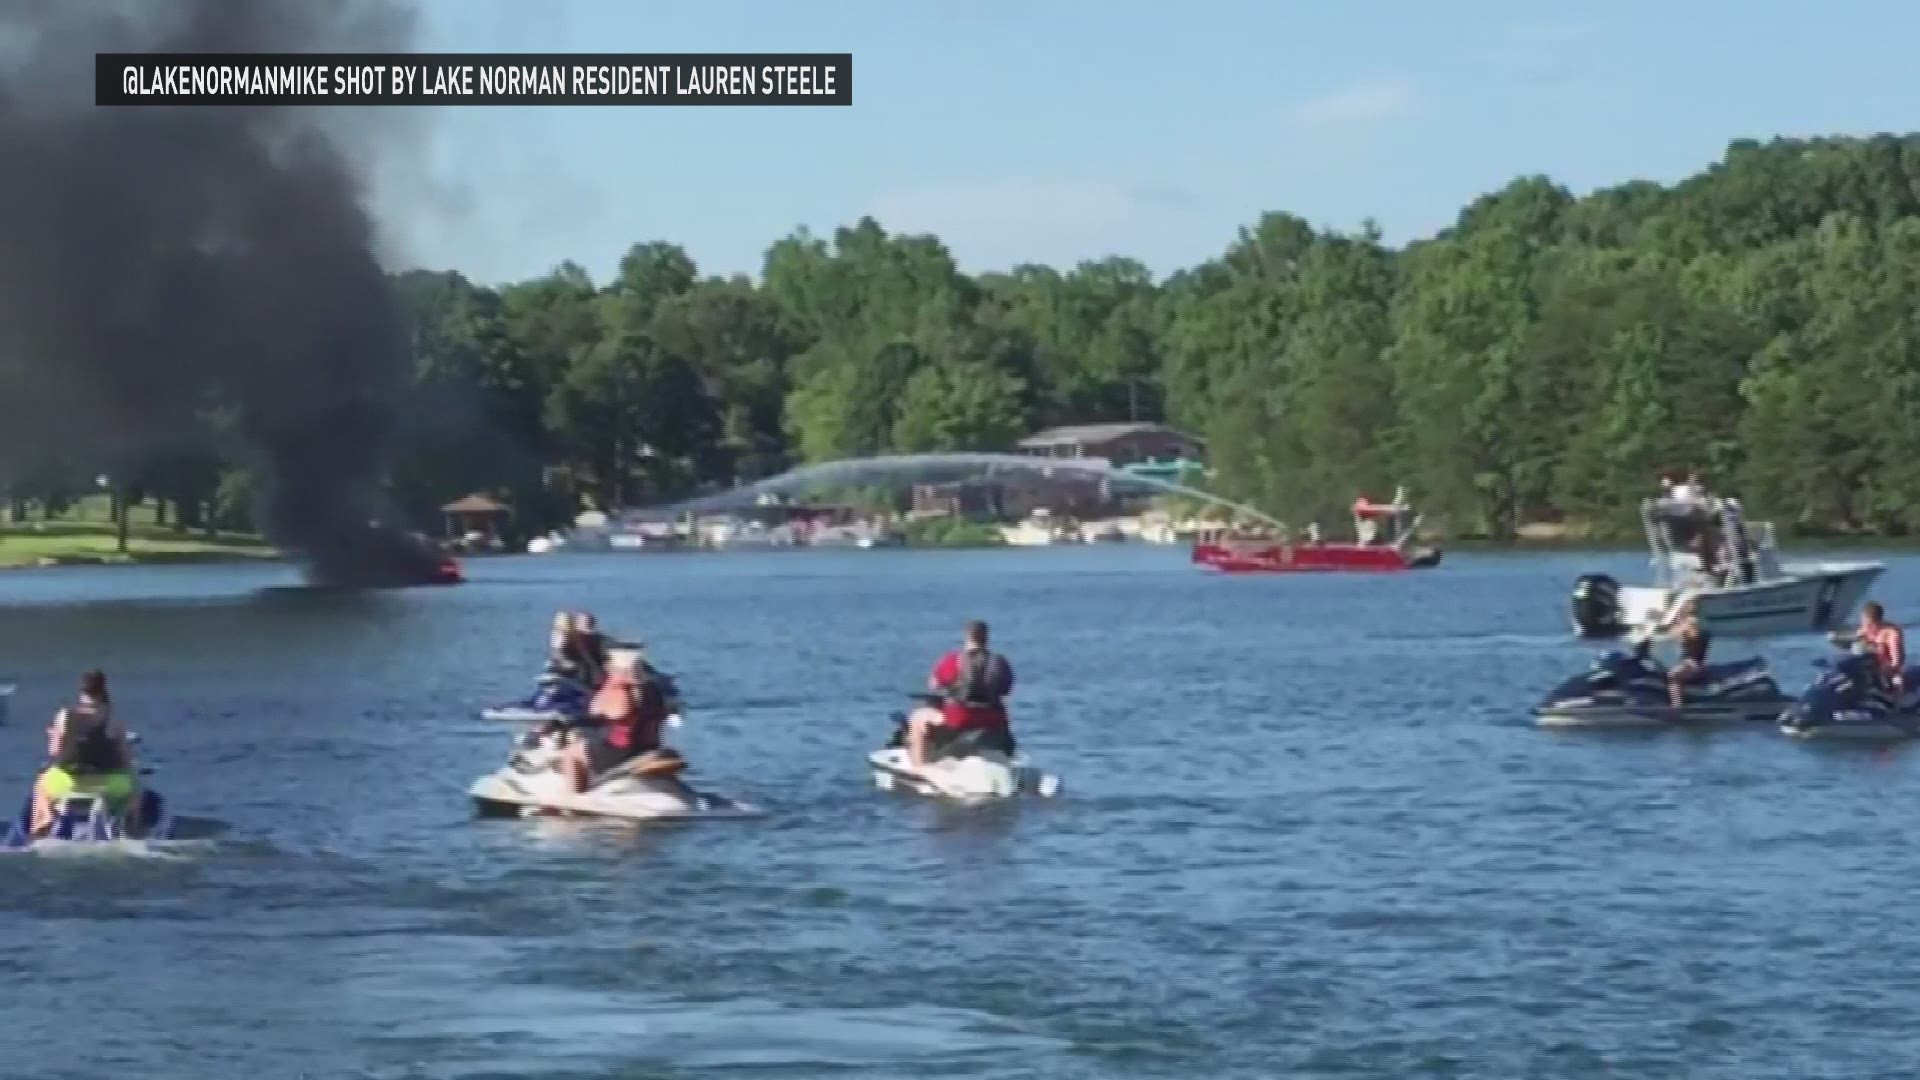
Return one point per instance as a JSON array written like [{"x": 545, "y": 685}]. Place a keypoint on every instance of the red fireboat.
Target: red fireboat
[{"x": 1372, "y": 552}]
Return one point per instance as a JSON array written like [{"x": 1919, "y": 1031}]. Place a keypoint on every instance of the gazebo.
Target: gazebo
[{"x": 475, "y": 514}]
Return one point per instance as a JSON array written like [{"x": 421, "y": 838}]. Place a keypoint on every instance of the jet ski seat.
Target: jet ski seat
[
  {"x": 662, "y": 762},
  {"x": 1716, "y": 673},
  {"x": 960, "y": 745}
]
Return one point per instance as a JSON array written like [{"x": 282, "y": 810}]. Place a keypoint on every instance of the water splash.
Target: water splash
[{"x": 894, "y": 470}]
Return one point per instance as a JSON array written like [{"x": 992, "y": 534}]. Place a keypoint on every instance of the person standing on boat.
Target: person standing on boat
[
  {"x": 1694, "y": 642},
  {"x": 1886, "y": 642},
  {"x": 1365, "y": 526}
]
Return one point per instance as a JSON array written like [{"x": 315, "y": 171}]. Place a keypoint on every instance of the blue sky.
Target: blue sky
[{"x": 1060, "y": 130}]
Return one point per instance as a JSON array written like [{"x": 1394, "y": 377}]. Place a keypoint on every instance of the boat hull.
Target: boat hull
[
  {"x": 1852, "y": 731},
  {"x": 1625, "y": 718},
  {"x": 1808, "y": 598},
  {"x": 508, "y": 793},
  {"x": 973, "y": 778},
  {"x": 1271, "y": 558}
]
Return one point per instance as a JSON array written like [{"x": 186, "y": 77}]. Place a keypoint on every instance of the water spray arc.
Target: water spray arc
[{"x": 933, "y": 468}]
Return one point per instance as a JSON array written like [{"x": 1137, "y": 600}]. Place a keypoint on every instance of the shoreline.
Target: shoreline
[
  {"x": 137, "y": 558},
  {"x": 200, "y": 553},
  {"x": 44, "y": 545}
]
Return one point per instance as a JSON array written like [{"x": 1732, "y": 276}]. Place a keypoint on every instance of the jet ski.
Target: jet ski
[
  {"x": 6, "y": 696},
  {"x": 555, "y": 699},
  {"x": 968, "y": 768},
  {"x": 1629, "y": 690},
  {"x": 534, "y": 783},
  {"x": 1846, "y": 702},
  {"x": 84, "y": 817}
]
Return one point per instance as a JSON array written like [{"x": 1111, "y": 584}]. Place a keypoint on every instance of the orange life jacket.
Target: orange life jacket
[{"x": 1889, "y": 647}]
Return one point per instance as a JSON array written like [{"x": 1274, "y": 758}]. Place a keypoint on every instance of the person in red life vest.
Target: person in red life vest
[
  {"x": 1886, "y": 642},
  {"x": 630, "y": 711},
  {"x": 973, "y": 683}
]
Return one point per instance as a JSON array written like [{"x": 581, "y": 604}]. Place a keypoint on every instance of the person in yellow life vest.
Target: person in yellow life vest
[{"x": 88, "y": 753}]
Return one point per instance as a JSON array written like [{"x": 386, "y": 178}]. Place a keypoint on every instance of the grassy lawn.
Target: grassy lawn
[{"x": 86, "y": 535}]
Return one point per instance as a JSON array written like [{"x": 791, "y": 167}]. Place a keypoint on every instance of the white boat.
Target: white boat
[
  {"x": 6, "y": 697},
  {"x": 857, "y": 534},
  {"x": 736, "y": 534},
  {"x": 1705, "y": 550},
  {"x": 1039, "y": 530}
]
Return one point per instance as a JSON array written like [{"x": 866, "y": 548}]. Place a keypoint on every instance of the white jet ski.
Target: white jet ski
[
  {"x": 966, "y": 769},
  {"x": 534, "y": 783}
]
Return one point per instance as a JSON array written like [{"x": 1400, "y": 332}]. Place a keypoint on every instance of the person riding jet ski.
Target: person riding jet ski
[
  {"x": 1694, "y": 643},
  {"x": 627, "y": 717},
  {"x": 89, "y": 753},
  {"x": 973, "y": 683},
  {"x": 584, "y": 649},
  {"x": 1882, "y": 640}
]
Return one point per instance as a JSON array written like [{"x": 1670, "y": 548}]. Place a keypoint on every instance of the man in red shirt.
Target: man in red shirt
[{"x": 973, "y": 683}]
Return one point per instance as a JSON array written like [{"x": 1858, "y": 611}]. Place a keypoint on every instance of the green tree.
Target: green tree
[{"x": 960, "y": 405}]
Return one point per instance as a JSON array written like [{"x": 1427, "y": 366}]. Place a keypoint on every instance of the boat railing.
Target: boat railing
[
  {"x": 1657, "y": 543},
  {"x": 1408, "y": 533}
]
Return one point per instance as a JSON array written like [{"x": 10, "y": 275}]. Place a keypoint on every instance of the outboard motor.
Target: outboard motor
[{"x": 1596, "y": 607}]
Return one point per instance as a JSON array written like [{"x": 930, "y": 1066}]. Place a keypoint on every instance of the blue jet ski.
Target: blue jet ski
[
  {"x": 1847, "y": 702},
  {"x": 556, "y": 699},
  {"x": 1629, "y": 690},
  {"x": 85, "y": 818}
]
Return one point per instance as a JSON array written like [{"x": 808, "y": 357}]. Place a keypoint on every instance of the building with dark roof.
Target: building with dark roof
[{"x": 1116, "y": 444}]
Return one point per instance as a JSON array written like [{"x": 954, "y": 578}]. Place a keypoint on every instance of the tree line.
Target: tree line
[{"x": 1543, "y": 359}]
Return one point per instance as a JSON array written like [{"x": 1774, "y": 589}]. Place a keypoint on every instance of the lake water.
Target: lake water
[{"x": 1307, "y": 832}]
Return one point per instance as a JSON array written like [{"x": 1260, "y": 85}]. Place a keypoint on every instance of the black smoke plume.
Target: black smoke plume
[{"x": 159, "y": 262}]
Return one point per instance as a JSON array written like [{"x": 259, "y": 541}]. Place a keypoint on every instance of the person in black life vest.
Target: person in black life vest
[
  {"x": 89, "y": 753},
  {"x": 586, "y": 651},
  {"x": 1694, "y": 642},
  {"x": 974, "y": 683},
  {"x": 561, "y": 659}
]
